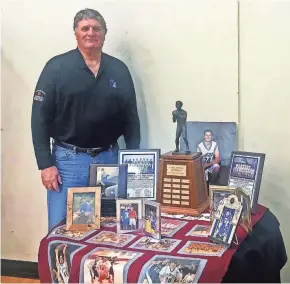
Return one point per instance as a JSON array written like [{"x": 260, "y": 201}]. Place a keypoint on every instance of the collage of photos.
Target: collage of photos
[
  {"x": 171, "y": 269},
  {"x": 201, "y": 231},
  {"x": 171, "y": 226},
  {"x": 104, "y": 265}
]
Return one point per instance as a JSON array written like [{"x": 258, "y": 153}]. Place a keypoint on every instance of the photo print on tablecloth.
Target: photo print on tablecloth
[
  {"x": 60, "y": 256},
  {"x": 106, "y": 265},
  {"x": 202, "y": 248},
  {"x": 62, "y": 232},
  {"x": 172, "y": 269},
  {"x": 108, "y": 222},
  {"x": 111, "y": 238},
  {"x": 199, "y": 231},
  {"x": 171, "y": 226},
  {"x": 148, "y": 243}
]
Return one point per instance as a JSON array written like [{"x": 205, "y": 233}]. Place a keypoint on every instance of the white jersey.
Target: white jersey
[
  {"x": 207, "y": 153},
  {"x": 167, "y": 275},
  {"x": 63, "y": 272}
]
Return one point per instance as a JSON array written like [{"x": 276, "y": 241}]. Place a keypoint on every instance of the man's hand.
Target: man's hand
[{"x": 50, "y": 178}]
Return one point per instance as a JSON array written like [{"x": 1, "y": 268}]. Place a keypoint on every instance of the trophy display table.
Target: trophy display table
[{"x": 104, "y": 257}]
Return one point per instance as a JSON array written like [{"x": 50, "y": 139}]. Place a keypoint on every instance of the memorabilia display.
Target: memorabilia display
[
  {"x": 152, "y": 219},
  {"x": 246, "y": 217},
  {"x": 109, "y": 238},
  {"x": 180, "y": 116},
  {"x": 148, "y": 243},
  {"x": 112, "y": 178},
  {"x": 83, "y": 208},
  {"x": 217, "y": 193},
  {"x": 142, "y": 172},
  {"x": 129, "y": 215},
  {"x": 246, "y": 172},
  {"x": 226, "y": 221},
  {"x": 202, "y": 248},
  {"x": 108, "y": 221},
  {"x": 182, "y": 187},
  {"x": 169, "y": 227},
  {"x": 172, "y": 269},
  {"x": 199, "y": 231}
]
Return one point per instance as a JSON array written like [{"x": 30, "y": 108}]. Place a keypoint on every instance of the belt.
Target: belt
[{"x": 91, "y": 151}]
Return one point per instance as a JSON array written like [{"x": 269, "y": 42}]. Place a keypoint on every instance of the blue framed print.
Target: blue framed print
[{"x": 143, "y": 166}]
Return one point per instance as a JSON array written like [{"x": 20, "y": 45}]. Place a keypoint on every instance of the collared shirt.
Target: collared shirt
[{"x": 71, "y": 105}]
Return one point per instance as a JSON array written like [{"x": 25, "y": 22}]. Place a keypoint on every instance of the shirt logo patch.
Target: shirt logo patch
[
  {"x": 39, "y": 96},
  {"x": 113, "y": 83}
]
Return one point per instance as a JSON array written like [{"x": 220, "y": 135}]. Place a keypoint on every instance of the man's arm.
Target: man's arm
[
  {"x": 42, "y": 116},
  {"x": 132, "y": 133}
]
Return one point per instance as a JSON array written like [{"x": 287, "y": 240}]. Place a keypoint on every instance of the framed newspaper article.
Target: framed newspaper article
[
  {"x": 142, "y": 172},
  {"x": 246, "y": 171}
]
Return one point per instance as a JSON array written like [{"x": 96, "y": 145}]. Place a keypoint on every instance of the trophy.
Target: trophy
[{"x": 182, "y": 187}]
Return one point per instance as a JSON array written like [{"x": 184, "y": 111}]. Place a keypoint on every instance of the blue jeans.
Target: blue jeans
[{"x": 74, "y": 171}]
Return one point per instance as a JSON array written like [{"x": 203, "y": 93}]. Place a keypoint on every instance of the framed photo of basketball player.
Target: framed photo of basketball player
[
  {"x": 246, "y": 171},
  {"x": 226, "y": 221},
  {"x": 129, "y": 215},
  {"x": 142, "y": 177},
  {"x": 112, "y": 178},
  {"x": 151, "y": 212},
  {"x": 83, "y": 208}
]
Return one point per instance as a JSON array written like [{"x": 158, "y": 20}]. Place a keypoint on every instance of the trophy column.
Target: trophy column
[{"x": 182, "y": 186}]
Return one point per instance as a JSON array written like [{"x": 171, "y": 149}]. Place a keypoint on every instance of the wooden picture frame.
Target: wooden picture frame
[
  {"x": 83, "y": 208},
  {"x": 216, "y": 194},
  {"x": 128, "y": 224},
  {"x": 151, "y": 212},
  {"x": 114, "y": 182},
  {"x": 141, "y": 173},
  {"x": 246, "y": 169}
]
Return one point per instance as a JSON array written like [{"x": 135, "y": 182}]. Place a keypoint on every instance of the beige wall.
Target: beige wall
[{"x": 188, "y": 51}]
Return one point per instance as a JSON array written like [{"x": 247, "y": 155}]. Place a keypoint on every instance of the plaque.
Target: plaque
[
  {"x": 246, "y": 172},
  {"x": 182, "y": 187}
]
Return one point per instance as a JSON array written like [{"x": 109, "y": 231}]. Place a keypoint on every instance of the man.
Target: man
[
  {"x": 210, "y": 154},
  {"x": 61, "y": 274},
  {"x": 180, "y": 116},
  {"x": 132, "y": 219},
  {"x": 84, "y": 100}
]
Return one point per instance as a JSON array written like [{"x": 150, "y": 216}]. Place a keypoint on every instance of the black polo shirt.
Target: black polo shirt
[{"x": 71, "y": 105}]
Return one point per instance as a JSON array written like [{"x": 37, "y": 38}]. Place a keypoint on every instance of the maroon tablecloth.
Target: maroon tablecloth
[{"x": 118, "y": 262}]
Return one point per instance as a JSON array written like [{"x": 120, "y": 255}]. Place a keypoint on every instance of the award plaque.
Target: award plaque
[{"x": 182, "y": 187}]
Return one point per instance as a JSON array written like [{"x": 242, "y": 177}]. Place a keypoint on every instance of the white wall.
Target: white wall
[{"x": 187, "y": 50}]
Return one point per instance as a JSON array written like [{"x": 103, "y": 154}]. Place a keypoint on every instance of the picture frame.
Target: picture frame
[
  {"x": 112, "y": 178},
  {"x": 151, "y": 212},
  {"x": 246, "y": 217},
  {"x": 226, "y": 221},
  {"x": 141, "y": 173},
  {"x": 127, "y": 222},
  {"x": 83, "y": 208},
  {"x": 246, "y": 170},
  {"x": 216, "y": 194}
]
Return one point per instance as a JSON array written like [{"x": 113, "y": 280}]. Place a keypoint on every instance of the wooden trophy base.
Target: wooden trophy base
[{"x": 182, "y": 187}]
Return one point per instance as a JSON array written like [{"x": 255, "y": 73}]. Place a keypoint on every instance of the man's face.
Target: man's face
[
  {"x": 90, "y": 34},
  {"x": 207, "y": 136},
  {"x": 61, "y": 259},
  {"x": 178, "y": 106}
]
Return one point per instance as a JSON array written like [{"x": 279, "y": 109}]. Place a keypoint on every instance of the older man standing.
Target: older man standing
[{"x": 84, "y": 100}]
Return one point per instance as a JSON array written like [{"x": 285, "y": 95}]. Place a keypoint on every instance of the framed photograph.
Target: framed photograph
[
  {"x": 246, "y": 218},
  {"x": 129, "y": 215},
  {"x": 152, "y": 218},
  {"x": 217, "y": 193},
  {"x": 226, "y": 221},
  {"x": 112, "y": 178},
  {"x": 83, "y": 208},
  {"x": 142, "y": 172},
  {"x": 246, "y": 171}
]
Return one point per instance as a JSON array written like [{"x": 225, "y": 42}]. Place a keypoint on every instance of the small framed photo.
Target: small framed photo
[
  {"x": 217, "y": 193},
  {"x": 246, "y": 218},
  {"x": 152, "y": 219},
  {"x": 83, "y": 208},
  {"x": 142, "y": 175},
  {"x": 226, "y": 221},
  {"x": 246, "y": 169},
  {"x": 129, "y": 215}
]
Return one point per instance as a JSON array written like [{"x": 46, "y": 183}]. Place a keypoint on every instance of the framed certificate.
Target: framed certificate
[
  {"x": 246, "y": 170},
  {"x": 142, "y": 172}
]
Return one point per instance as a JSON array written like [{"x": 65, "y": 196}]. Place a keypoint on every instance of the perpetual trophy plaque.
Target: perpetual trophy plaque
[{"x": 182, "y": 186}]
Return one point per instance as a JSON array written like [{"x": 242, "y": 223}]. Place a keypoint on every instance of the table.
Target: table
[{"x": 81, "y": 254}]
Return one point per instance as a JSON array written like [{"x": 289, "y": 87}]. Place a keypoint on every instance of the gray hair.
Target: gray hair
[{"x": 90, "y": 14}]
